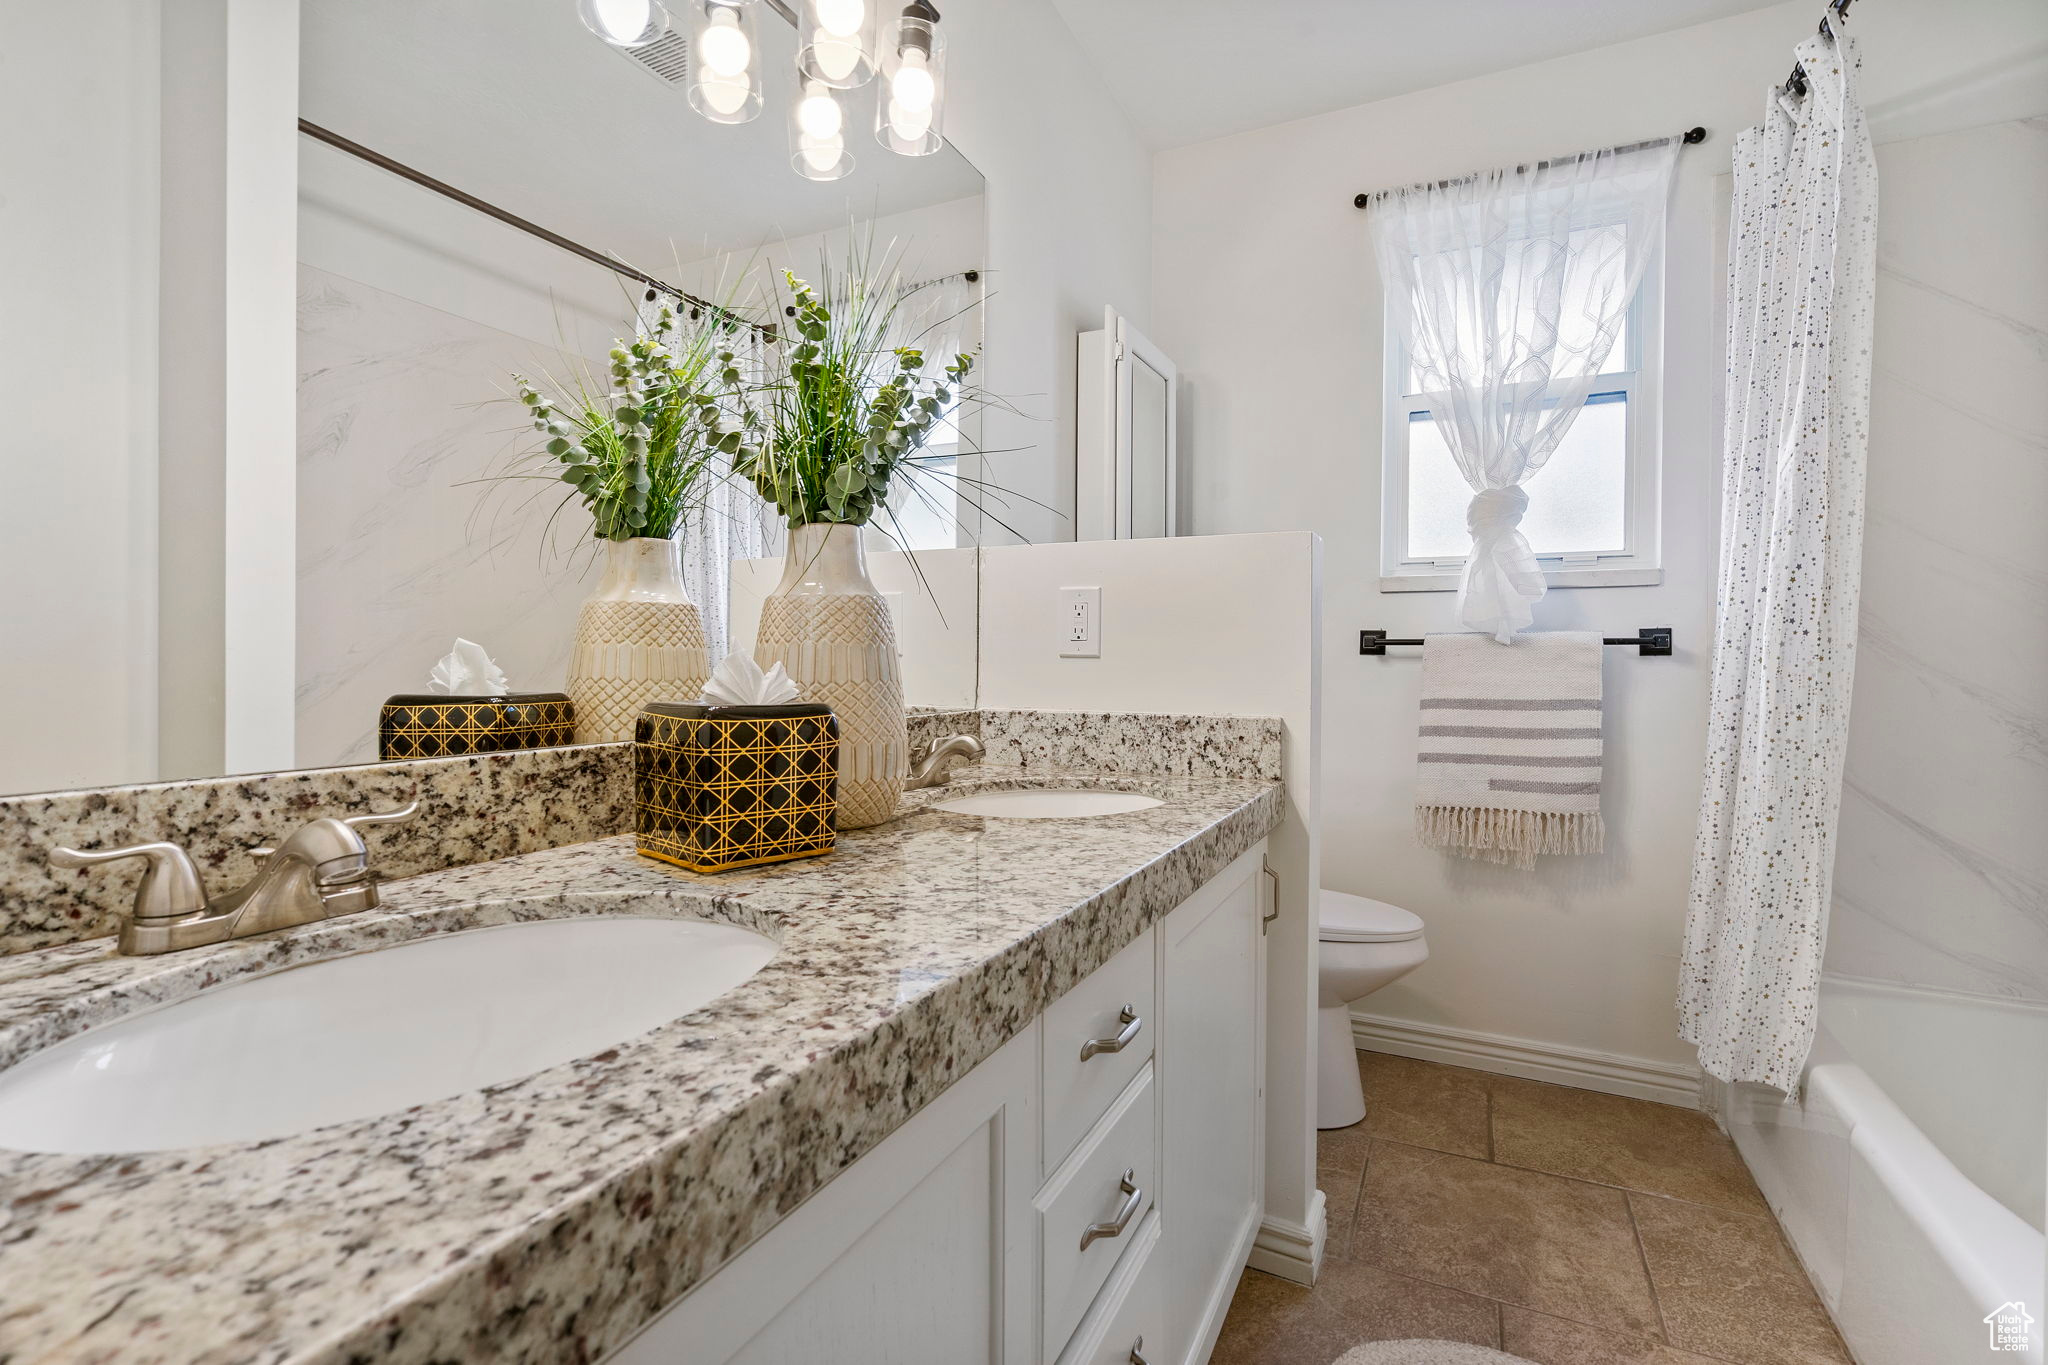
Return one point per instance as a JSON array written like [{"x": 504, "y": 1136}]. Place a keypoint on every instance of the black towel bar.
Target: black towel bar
[{"x": 1650, "y": 640}]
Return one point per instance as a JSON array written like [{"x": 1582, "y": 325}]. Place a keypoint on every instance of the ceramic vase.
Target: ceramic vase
[
  {"x": 638, "y": 639},
  {"x": 830, "y": 629}
]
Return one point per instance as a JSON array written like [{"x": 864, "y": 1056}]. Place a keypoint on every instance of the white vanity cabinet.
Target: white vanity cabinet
[{"x": 1049, "y": 1208}]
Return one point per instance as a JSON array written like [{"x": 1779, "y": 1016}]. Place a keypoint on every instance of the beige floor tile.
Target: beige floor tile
[
  {"x": 1423, "y": 1104},
  {"x": 1636, "y": 1144},
  {"x": 1546, "y": 1340},
  {"x": 1273, "y": 1322},
  {"x": 1540, "y": 1241},
  {"x": 1729, "y": 1286}
]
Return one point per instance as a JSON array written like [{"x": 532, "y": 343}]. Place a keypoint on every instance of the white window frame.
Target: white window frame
[{"x": 1640, "y": 562}]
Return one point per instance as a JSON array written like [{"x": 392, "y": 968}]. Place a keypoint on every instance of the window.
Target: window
[{"x": 1592, "y": 518}]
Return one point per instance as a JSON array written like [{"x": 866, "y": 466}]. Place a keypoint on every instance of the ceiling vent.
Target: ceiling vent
[{"x": 666, "y": 58}]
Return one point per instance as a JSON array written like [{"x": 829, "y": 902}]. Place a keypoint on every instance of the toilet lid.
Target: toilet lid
[{"x": 1354, "y": 919}]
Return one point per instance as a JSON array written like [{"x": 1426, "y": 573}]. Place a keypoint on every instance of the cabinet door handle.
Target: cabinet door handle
[
  {"x": 1133, "y": 1196},
  {"x": 1138, "y": 1352},
  {"x": 1128, "y": 1017}
]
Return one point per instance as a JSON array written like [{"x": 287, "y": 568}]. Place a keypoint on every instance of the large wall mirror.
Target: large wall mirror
[{"x": 459, "y": 165}]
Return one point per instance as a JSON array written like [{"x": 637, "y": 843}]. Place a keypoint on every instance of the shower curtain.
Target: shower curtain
[{"x": 1802, "y": 281}]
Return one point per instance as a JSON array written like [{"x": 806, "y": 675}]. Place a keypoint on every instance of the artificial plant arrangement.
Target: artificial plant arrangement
[
  {"x": 637, "y": 452},
  {"x": 852, "y": 404},
  {"x": 849, "y": 412}
]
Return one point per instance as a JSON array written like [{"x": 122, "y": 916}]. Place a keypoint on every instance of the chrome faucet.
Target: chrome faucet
[
  {"x": 321, "y": 871},
  {"x": 932, "y": 770}
]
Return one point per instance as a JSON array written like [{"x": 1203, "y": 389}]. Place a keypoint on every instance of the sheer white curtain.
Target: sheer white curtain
[
  {"x": 728, "y": 520},
  {"x": 1507, "y": 291},
  {"x": 1801, "y": 291}
]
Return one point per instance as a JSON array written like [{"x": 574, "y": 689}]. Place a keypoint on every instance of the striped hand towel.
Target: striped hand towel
[{"x": 1510, "y": 752}]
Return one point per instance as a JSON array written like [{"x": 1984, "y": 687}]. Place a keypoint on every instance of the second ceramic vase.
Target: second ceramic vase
[
  {"x": 830, "y": 629},
  {"x": 639, "y": 639}
]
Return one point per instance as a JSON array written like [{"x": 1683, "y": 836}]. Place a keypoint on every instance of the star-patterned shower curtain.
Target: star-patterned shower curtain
[{"x": 1801, "y": 289}]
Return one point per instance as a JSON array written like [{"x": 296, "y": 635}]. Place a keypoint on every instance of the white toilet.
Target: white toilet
[{"x": 1365, "y": 944}]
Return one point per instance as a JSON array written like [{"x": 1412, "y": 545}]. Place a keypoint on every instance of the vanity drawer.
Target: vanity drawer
[
  {"x": 1078, "y": 1089},
  {"x": 1127, "y": 1326},
  {"x": 1108, "y": 1184}
]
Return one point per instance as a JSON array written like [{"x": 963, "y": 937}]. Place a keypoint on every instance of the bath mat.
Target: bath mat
[
  {"x": 1417, "y": 1351},
  {"x": 1510, "y": 754}
]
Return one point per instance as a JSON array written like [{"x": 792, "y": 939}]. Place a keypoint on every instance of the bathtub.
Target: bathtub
[{"x": 1909, "y": 1174}]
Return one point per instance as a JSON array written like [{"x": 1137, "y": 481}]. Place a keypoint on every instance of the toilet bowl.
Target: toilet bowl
[{"x": 1365, "y": 944}]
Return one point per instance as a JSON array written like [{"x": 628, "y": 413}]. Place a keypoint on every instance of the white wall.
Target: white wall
[
  {"x": 1222, "y": 626},
  {"x": 1069, "y": 204},
  {"x": 78, "y": 458},
  {"x": 1265, "y": 294}
]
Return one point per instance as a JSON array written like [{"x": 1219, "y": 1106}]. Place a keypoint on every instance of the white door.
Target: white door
[{"x": 1126, "y": 483}]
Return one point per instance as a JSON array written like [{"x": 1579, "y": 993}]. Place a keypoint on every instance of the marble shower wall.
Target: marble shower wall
[
  {"x": 400, "y": 550},
  {"x": 1941, "y": 876}
]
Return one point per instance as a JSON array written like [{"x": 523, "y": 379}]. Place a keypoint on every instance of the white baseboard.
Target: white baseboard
[
  {"x": 1292, "y": 1251},
  {"x": 1664, "y": 1082}
]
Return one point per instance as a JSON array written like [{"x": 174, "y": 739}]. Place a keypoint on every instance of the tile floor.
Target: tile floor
[{"x": 1564, "y": 1226}]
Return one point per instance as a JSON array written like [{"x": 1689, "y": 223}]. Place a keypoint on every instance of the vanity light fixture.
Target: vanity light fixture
[
  {"x": 624, "y": 23},
  {"x": 725, "y": 64},
  {"x": 910, "y": 104},
  {"x": 836, "y": 42},
  {"x": 817, "y": 134},
  {"x": 841, "y": 44}
]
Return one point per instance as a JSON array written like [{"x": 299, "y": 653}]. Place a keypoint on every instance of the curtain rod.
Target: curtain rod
[
  {"x": 1795, "y": 84},
  {"x": 510, "y": 219},
  {"x": 1689, "y": 137}
]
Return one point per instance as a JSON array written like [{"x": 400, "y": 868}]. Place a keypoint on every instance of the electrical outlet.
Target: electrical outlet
[{"x": 1080, "y": 623}]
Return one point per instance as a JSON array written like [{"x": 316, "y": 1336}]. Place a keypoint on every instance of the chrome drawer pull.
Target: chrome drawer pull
[
  {"x": 1138, "y": 1352},
  {"x": 1128, "y": 1017},
  {"x": 1133, "y": 1196}
]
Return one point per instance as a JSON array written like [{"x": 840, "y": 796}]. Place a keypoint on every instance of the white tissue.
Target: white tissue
[
  {"x": 739, "y": 681},
  {"x": 468, "y": 672}
]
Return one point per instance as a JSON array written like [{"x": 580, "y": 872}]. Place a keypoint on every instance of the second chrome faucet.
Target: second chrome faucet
[{"x": 321, "y": 871}]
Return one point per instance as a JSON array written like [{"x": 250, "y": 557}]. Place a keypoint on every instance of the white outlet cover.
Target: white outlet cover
[{"x": 1078, "y": 623}]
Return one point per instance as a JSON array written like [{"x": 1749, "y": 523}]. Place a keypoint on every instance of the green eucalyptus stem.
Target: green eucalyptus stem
[
  {"x": 848, "y": 412},
  {"x": 634, "y": 453}
]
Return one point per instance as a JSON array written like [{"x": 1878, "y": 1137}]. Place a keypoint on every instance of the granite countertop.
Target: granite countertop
[{"x": 548, "y": 1218}]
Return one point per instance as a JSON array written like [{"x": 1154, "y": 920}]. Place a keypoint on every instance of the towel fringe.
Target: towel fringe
[{"x": 1512, "y": 837}]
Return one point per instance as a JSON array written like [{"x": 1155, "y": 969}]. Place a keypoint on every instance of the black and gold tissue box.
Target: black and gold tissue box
[
  {"x": 718, "y": 787},
  {"x": 427, "y": 725}
]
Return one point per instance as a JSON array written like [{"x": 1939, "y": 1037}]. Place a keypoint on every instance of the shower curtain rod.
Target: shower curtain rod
[
  {"x": 532, "y": 229},
  {"x": 1689, "y": 137}
]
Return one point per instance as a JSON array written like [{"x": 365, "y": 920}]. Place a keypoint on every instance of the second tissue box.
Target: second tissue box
[{"x": 718, "y": 787}]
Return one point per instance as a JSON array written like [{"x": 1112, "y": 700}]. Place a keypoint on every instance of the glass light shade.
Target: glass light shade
[
  {"x": 910, "y": 98},
  {"x": 725, "y": 60},
  {"x": 624, "y": 23},
  {"x": 817, "y": 134},
  {"x": 836, "y": 41}
]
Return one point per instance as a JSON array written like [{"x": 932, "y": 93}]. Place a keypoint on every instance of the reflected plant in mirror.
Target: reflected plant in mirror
[{"x": 636, "y": 453}]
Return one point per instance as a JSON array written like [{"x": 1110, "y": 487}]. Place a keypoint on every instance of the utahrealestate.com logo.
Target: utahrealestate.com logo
[{"x": 2008, "y": 1324}]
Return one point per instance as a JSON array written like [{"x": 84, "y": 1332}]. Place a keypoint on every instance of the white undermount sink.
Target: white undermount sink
[
  {"x": 355, "y": 1037},
  {"x": 1046, "y": 803}
]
